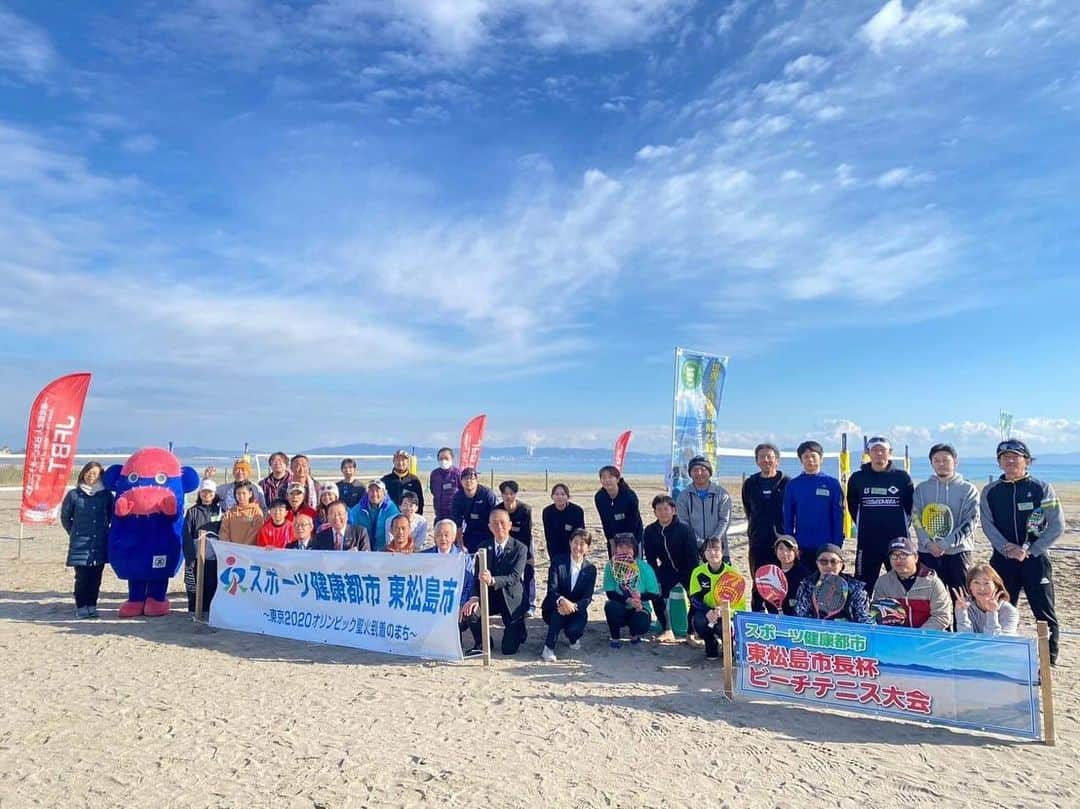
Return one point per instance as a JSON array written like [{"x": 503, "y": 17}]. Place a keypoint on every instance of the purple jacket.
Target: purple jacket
[{"x": 443, "y": 485}]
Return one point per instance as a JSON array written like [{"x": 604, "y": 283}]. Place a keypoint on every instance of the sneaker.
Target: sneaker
[
  {"x": 576, "y": 646},
  {"x": 694, "y": 642},
  {"x": 475, "y": 651},
  {"x": 531, "y": 613},
  {"x": 548, "y": 655},
  {"x": 615, "y": 644},
  {"x": 635, "y": 641},
  {"x": 91, "y": 611},
  {"x": 667, "y": 636},
  {"x": 82, "y": 612},
  {"x": 715, "y": 656}
]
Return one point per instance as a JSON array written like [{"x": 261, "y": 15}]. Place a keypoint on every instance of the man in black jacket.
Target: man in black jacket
[
  {"x": 505, "y": 576},
  {"x": 337, "y": 534},
  {"x": 672, "y": 551},
  {"x": 879, "y": 499},
  {"x": 763, "y": 504},
  {"x": 401, "y": 480}
]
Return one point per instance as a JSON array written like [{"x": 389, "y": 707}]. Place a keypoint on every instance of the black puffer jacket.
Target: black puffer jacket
[{"x": 86, "y": 518}]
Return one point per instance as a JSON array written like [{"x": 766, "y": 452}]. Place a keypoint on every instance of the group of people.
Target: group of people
[{"x": 931, "y": 581}]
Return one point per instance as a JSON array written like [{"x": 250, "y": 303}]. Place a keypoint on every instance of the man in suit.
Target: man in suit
[
  {"x": 469, "y": 611},
  {"x": 571, "y": 581},
  {"x": 337, "y": 534},
  {"x": 505, "y": 576},
  {"x": 303, "y": 528}
]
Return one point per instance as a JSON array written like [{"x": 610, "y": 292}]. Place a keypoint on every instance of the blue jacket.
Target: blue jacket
[
  {"x": 472, "y": 514},
  {"x": 814, "y": 511},
  {"x": 469, "y": 590},
  {"x": 375, "y": 521},
  {"x": 86, "y": 518}
]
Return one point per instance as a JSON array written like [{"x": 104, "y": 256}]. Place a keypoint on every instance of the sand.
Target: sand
[{"x": 162, "y": 712}]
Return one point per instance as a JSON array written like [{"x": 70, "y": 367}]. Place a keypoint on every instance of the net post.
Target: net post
[
  {"x": 485, "y": 609},
  {"x": 845, "y": 473},
  {"x": 18, "y": 548},
  {"x": 200, "y": 574},
  {"x": 1046, "y": 684},
  {"x": 729, "y": 657}
]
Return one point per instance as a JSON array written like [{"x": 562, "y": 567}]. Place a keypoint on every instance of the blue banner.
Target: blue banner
[
  {"x": 699, "y": 387},
  {"x": 977, "y": 682}
]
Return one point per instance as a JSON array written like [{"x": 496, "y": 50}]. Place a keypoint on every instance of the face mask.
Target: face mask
[{"x": 445, "y": 463}]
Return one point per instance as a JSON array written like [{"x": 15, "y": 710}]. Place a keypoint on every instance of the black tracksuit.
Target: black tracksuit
[
  {"x": 880, "y": 503},
  {"x": 672, "y": 552},
  {"x": 763, "y": 504}
]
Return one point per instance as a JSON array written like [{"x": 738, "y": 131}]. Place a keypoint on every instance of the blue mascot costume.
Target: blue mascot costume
[{"x": 145, "y": 534}]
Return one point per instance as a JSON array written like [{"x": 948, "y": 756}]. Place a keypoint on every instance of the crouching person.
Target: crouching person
[
  {"x": 919, "y": 591},
  {"x": 571, "y": 580}
]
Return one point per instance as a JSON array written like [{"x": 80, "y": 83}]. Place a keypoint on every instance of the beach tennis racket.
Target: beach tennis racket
[
  {"x": 772, "y": 585},
  {"x": 627, "y": 574},
  {"x": 888, "y": 612},
  {"x": 729, "y": 586},
  {"x": 937, "y": 520},
  {"x": 1036, "y": 524},
  {"x": 830, "y": 596}
]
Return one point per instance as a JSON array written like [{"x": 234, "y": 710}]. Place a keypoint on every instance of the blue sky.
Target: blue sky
[{"x": 367, "y": 220}]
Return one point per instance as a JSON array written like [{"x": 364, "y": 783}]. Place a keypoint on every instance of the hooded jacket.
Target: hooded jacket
[
  {"x": 880, "y": 504},
  {"x": 241, "y": 525},
  {"x": 672, "y": 552},
  {"x": 927, "y": 603},
  {"x": 200, "y": 518},
  {"x": 706, "y": 516},
  {"x": 962, "y": 499},
  {"x": 374, "y": 519}
]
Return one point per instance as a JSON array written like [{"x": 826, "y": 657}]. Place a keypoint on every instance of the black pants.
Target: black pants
[
  {"x": 711, "y": 635},
  {"x": 472, "y": 623},
  {"x": 573, "y": 625},
  {"x": 87, "y": 584},
  {"x": 951, "y": 568},
  {"x": 1036, "y": 576},
  {"x": 868, "y": 564},
  {"x": 758, "y": 557},
  {"x": 209, "y": 583},
  {"x": 514, "y": 630},
  {"x": 619, "y": 615}
]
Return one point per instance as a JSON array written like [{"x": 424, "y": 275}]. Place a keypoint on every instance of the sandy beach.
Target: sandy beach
[{"x": 163, "y": 712}]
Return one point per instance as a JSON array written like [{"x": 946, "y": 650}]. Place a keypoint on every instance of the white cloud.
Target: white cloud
[
  {"x": 809, "y": 64},
  {"x": 25, "y": 49},
  {"x": 903, "y": 177},
  {"x": 653, "y": 152},
  {"x": 140, "y": 144},
  {"x": 895, "y": 25}
]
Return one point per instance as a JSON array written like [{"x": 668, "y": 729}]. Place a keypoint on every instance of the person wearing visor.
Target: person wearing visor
[
  {"x": 1022, "y": 517},
  {"x": 879, "y": 499}
]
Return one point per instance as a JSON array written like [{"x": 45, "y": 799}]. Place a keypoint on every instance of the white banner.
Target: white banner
[{"x": 402, "y": 604}]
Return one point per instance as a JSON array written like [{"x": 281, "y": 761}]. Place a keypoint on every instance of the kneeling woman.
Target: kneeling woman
[
  {"x": 856, "y": 604},
  {"x": 571, "y": 580},
  {"x": 628, "y": 582}
]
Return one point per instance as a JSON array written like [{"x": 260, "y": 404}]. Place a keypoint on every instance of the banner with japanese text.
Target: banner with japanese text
[
  {"x": 402, "y": 604},
  {"x": 699, "y": 387},
  {"x": 977, "y": 682},
  {"x": 52, "y": 438}
]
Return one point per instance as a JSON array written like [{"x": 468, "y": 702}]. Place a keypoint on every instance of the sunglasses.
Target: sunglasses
[{"x": 829, "y": 561}]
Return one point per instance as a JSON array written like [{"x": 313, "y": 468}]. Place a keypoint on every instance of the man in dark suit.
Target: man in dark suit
[
  {"x": 337, "y": 534},
  {"x": 505, "y": 576},
  {"x": 571, "y": 581}
]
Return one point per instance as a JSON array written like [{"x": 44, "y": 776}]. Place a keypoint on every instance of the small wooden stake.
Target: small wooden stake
[
  {"x": 1046, "y": 683},
  {"x": 728, "y": 652},
  {"x": 485, "y": 609},
  {"x": 200, "y": 573}
]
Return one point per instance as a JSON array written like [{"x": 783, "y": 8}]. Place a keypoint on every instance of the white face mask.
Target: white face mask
[{"x": 445, "y": 463}]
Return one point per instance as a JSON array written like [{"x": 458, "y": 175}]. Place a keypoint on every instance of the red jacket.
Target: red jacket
[{"x": 275, "y": 536}]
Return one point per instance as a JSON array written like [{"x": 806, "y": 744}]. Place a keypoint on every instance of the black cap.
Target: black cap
[{"x": 1013, "y": 445}]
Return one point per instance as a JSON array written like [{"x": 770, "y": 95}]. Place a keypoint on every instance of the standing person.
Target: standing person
[
  {"x": 204, "y": 515},
  {"x": 627, "y": 604},
  {"x": 400, "y": 480},
  {"x": 831, "y": 561},
  {"x": 618, "y": 507},
  {"x": 277, "y": 531},
  {"x": 560, "y": 520},
  {"x": 705, "y": 507},
  {"x": 350, "y": 489},
  {"x": 226, "y": 493},
  {"x": 879, "y": 499},
  {"x": 672, "y": 551},
  {"x": 328, "y": 493},
  {"x": 418, "y": 527},
  {"x": 984, "y": 607},
  {"x": 521, "y": 529},
  {"x": 445, "y": 537},
  {"x": 786, "y": 551},
  {"x": 949, "y": 556},
  {"x": 242, "y": 522},
  {"x": 338, "y": 534},
  {"x": 813, "y": 504},
  {"x": 704, "y": 609},
  {"x": 763, "y": 504},
  {"x": 276, "y": 483},
  {"x": 923, "y": 595},
  {"x": 86, "y": 514},
  {"x": 505, "y": 576},
  {"x": 443, "y": 483},
  {"x": 472, "y": 510},
  {"x": 374, "y": 513},
  {"x": 571, "y": 581},
  {"x": 1022, "y": 518},
  {"x": 300, "y": 473}
]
